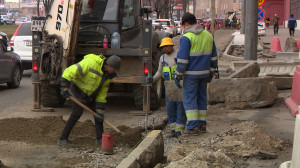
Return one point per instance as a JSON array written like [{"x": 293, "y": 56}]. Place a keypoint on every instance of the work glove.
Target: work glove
[
  {"x": 64, "y": 92},
  {"x": 177, "y": 79},
  {"x": 100, "y": 112},
  {"x": 211, "y": 76},
  {"x": 149, "y": 79}
]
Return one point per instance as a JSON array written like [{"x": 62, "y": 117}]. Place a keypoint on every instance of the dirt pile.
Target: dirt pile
[
  {"x": 248, "y": 140},
  {"x": 229, "y": 149},
  {"x": 130, "y": 138},
  {"x": 46, "y": 131}
]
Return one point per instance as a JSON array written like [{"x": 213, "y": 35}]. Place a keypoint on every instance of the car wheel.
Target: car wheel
[
  {"x": 16, "y": 78},
  {"x": 13, "y": 23}
]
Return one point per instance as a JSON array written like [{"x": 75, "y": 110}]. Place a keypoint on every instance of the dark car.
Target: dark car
[{"x": 10, "y": 64}]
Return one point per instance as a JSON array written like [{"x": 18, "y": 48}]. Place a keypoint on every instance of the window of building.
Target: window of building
[{"x": 234, "y": 1}]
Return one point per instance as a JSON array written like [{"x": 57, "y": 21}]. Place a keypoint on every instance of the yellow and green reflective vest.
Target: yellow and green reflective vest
[
  {"x": 168, "y": 71},
  {"x": 87, "y": 76}
]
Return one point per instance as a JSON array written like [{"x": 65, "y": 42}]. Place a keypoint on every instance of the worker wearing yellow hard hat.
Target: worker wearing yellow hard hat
[{"x": 167, "y": 66}]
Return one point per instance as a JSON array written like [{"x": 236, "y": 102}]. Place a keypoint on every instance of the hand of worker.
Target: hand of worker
[
  {"x": 177, "y": 82},
  {"x": 64, "y": 92},
  {"x": 149, "y": 79},
  {"x": 100, "y": 112},
  {"x": 211, "y": 76}
]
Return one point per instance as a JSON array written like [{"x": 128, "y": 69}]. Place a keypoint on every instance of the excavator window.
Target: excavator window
[
  {"x": 100, "y": 10},
  {"x": 128, "y": 14}
]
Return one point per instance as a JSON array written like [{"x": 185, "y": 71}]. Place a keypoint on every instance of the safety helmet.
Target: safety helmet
[{"x": 167, "y": 41}]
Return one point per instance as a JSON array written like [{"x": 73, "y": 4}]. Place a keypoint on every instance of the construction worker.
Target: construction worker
[
  {"x": 88, "y": 81},
  {"x": 167, "y": 66},
  {"x": 196, "y": 62}
]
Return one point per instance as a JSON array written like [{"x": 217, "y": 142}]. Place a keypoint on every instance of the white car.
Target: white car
[
  {"x": 22, "y": 20},
  {"x": 21, "y": 41},
  {"x": 179, "y": 27},
  {"x": 5, "y": 19},
  {"x": 261, "y": 29},
  {"x": 168, "y": 25}
]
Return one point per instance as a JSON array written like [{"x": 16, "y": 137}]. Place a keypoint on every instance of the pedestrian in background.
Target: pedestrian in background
[
  {"x": 166, "y": 69},
  {"x": 231, "y": 23},
  {"x": 267, "y": 22},
  {"x": 275, "y": 21},
  {"x": 292, "y": 23},
  {"x": 238, "y": 24},
  {"x": 196, "y": 59}
]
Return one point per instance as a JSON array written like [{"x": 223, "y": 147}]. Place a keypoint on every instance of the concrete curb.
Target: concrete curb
[
  {"x": 227, "y": 57},
  {"x": 149, "y": 152}
]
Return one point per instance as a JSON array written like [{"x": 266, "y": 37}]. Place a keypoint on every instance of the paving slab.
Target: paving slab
[{"x": 271, "y": 68}]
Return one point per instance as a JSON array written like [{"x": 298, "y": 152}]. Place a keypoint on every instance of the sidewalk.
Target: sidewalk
[{"x": 283, "y": 34}]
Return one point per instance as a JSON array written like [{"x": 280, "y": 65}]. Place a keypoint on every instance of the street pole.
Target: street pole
[
  {"x": 19, "y": 8},
  {"x": 213, "y": 14},
  {"x": 243, "y": 17},
  {"x": 251, "y": 31},
  {"x": 194, "y": 7}
]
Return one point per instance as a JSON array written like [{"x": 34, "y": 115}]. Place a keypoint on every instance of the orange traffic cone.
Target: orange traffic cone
[
  {"x": 216, "y": 26},
  {"x": 275, "y": 45}
]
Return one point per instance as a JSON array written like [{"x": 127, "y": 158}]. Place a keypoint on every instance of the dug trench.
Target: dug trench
[{"x": 22, "y": 138}]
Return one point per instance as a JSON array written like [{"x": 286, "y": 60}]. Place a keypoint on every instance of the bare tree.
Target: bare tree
[{"x": 161, "y": 7}]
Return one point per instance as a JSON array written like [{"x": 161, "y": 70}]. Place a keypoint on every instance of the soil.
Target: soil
[
  {"x": 46, "y": 130},
  {"x": 31, "y": 137}
]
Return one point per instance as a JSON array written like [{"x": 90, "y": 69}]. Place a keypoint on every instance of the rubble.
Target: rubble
[{"x": 230, "y": 148}]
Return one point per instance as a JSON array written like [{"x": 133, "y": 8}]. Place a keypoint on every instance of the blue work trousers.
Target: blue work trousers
[
  {"x": 195, "y": 101},
  {"x": 176, "y": 115}
]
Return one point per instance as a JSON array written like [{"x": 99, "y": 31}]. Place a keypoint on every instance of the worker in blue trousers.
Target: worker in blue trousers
[
  {"x": 196, "y": 63},
  {"x": 166, "y": 69}
]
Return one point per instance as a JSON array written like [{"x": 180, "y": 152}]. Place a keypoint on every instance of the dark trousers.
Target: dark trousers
[
  {"x": 75, "y": 116},
  {"x": 276, "y": 28},
  {"x": 292, "y": 31}
]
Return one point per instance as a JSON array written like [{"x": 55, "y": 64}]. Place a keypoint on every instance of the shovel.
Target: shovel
[{"x": 96, "y": 115}]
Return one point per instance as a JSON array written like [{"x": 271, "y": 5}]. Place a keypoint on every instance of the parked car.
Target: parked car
[
  {"x": 5, "y": 19},
  {"x": 22, "y": 19},
  {"x": 168, "y": 25},
  {"x": 179, "y": 27},
  {"x": 10, "y": 64},
  {"x": 21, "y": 41},
  {"x": 261, "y": 28}
]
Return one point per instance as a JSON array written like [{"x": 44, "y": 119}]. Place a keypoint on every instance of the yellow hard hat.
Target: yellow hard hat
[{"x": 167, "y": 41}]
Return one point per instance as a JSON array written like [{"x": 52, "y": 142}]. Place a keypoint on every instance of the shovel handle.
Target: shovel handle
[{"x": 95, "y": 114}]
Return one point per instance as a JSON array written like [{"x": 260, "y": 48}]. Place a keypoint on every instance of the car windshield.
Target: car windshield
[
  {"x": 163, "y": 22},
  {"x": 22, "y": 19}
]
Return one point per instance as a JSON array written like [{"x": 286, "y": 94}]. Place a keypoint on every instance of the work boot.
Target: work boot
[
  {"x": 194, "y": 131},
  {"x": 203, "y": 128},
  {"x": 170, "y": 134},
  {"x": 177, "y": 134},
  {"x": 99, "y": 142},
  {"x": 64, "y": 142}
]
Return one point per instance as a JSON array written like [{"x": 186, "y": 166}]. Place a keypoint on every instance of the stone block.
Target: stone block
[
  {"x": 255, "y": 92},
  {"x": 288, "y": 56},
  {"x": 173, "y": 93},
  {"x": 147, "y": 154},
  {"x": 249, "y": 71}
]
